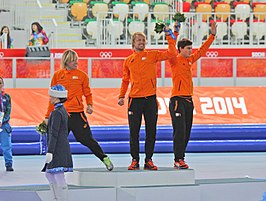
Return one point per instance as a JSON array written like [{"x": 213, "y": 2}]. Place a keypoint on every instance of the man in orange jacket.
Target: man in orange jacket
[
  {"x": 76, "y": 83},
  {"x": 181, "y": 104},
  {"x": 139, "y": 69}
]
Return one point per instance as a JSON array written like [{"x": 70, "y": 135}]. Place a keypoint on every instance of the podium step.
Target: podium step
[
  {"x": 233, "y": 189},
  {"x": 43, "y": 193},
  {"x": 121, "y": 177}
]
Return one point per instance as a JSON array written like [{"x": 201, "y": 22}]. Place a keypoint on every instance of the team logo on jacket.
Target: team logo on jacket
[
  {"x": 75, "y": 77},
  {"x": 178, "y": 114}
]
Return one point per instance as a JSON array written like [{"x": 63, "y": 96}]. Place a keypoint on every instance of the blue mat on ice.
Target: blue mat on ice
[{"x": 115, "y": 139}]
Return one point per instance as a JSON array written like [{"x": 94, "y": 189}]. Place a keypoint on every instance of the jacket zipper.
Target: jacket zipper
[
  {"x": 179, "y": 85},
  {"x": 152, "y": 83},
  {"x": 78, "y": 100}
]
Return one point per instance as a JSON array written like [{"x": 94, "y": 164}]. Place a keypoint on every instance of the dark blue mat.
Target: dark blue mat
[{"x": 115, "y": 139}]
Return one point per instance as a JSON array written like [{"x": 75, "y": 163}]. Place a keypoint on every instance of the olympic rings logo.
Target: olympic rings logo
[
  {"x": 106, "y": 54},
  {"x": 212, "y": 54},
  {"x": 2, "y": 54}
]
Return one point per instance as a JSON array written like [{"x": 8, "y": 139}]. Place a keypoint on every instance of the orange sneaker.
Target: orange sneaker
[
  {"x": 150, "y": 166},
  {"x": 134, "y": 165},
  {"x": 181, "y": 164}
]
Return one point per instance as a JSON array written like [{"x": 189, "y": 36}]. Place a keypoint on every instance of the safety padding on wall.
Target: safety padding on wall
[
  {"x": 25, "y": 141},
  {"x": 115, "y": 139},
  {"x": 204, "y": 138}
]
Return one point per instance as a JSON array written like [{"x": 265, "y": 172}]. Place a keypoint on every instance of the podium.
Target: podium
[
  {"x": 166, "y": 183},
  {"x": 98, "y": 184}
]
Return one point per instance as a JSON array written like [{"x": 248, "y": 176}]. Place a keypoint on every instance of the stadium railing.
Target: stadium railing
[{"x": 107, "y": 72}]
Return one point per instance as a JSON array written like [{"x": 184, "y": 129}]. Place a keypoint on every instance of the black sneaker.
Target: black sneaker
[{"x": 9, "y": 169}]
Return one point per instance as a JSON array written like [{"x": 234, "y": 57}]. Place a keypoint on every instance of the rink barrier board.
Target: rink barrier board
[{"x": 115, "y": 139}]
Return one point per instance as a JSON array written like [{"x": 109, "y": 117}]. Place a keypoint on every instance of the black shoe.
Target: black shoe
[{"x": 9, "y": 169}]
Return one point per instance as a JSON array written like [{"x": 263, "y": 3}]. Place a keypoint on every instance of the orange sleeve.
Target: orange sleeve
[
  {"x": 173, "y": 60},
  {"x": 125, "y": 79},
  {"x": 50, "y": 107},
  {"x": 87, "y": 90},
  {"x": 203, "y": 49},
  {"x": 170, "y": 52}
]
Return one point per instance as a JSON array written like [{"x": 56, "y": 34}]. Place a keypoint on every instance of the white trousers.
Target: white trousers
[{"x": 58, "y": 186}]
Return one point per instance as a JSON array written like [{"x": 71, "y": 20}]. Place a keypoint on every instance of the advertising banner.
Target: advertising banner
[{"x": 213, "y": 105}]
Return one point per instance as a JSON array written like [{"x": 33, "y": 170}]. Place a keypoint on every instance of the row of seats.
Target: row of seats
[
  {"x": 80, "y": 11},
  {"x": 71, "y": 2},
  {"x": 187, "y": 4},
  {"x": 192, "y": 2},
  {"x": 238, "y": 29},
  {"x": 187, "y": 7},
  {"x": 242, "y": 11}
]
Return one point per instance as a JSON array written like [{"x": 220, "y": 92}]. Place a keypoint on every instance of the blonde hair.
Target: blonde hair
[
  {"x": 68, "y": 56},
  {"x": 134, "y": 37},
  {"x": 2, "y": 80}
]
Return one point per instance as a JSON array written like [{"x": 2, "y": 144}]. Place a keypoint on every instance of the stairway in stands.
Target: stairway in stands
[{"x": 54, "y": 21}]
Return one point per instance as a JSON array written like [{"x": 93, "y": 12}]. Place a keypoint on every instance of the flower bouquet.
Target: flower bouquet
[
  {"x": 179, "y": 17},
  {"x": 41, "y": 128},
  {"x": 159, "y": 27}
]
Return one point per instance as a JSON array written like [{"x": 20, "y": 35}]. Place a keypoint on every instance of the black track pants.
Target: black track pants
[
  {"x": 149, "y": 108},
  {"x": 181, "y": 110},
  {"x": 78, "y": 124}
]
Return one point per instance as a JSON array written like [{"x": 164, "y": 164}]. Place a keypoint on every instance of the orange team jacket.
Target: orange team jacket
[
  {"x": 76, "y": 83},
  {"x": 182, "y": 70},
  {"x": 140, "y": 70}
]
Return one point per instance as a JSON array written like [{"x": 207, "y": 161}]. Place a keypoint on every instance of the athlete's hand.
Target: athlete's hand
[
  {"x": 213, "y": 28},
  {"x": 177, "y": 26},
  {"x": 121, "y": 101},
  {"x": 45, "y": 121},
  {"x": 166, "y": 31},
  {"x": 89, "y": 109}
]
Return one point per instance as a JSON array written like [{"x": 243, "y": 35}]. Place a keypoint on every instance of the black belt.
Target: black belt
[{"x": 187, "y": 97}]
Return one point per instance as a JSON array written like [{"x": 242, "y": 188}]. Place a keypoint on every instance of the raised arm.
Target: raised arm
[
  {"x": 171, "y": 51},
  {"x": 205, "y": 46},
  {"x": 177, "y": 27}
]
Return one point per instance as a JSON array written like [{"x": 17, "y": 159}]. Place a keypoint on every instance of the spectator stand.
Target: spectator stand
[{"x": 242, "y": 15}]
